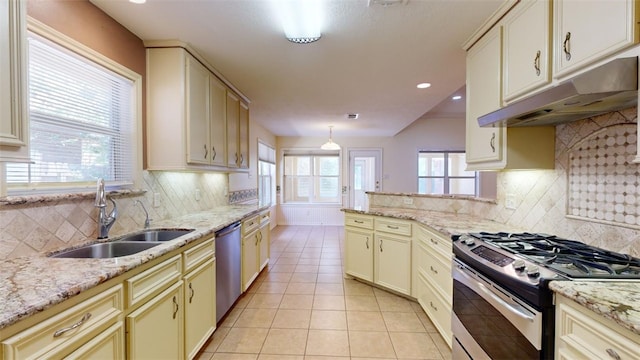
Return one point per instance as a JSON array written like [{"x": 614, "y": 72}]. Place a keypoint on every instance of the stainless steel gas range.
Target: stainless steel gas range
[{"x": 502, "y": 305}]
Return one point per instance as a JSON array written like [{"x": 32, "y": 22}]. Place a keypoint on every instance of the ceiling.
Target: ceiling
[{"x": 368, "y": 61}]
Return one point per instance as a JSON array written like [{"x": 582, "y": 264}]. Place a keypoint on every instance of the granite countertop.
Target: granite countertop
[
  {"x": 617, "y": 301},
  {"x": 31, "y": 284}
]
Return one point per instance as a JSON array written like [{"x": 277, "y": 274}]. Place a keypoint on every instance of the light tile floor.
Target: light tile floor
[{"x": 301, "y": 307}]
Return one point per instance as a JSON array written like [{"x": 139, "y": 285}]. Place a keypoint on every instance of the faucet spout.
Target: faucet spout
[
  {"x": 105, "y": 221},
  {"x": 147, "y": 221}
]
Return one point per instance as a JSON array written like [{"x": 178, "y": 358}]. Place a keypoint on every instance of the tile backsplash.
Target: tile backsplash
[{"x": 44, "y": 226}]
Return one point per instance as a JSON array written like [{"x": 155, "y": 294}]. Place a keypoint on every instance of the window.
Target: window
[
  {"x": 82, "y": 118},
  {"x": 312, "y": 178},
  {"x": 266, "y": 174},
  {"x": 444, "y": 172}
]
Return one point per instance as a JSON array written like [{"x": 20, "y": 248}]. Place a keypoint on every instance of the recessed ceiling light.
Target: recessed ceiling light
[
  {"x": 457, "y": 97},
  {"x": 352, "y": 116},
  {"x": 138, "y": 1},
  {"x": 423, "y": 85}
]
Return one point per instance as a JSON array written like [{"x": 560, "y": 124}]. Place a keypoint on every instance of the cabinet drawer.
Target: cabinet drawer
[
  {"x": 78, "y": 323},
  {"x": 364, "y": 222},
  {"x": 393, "y": 226},
  {"x": 582, "y": 331},
  {"x": 153, "y": 280},
  {"x": 250, "y": 224},
  {"x": 438, "y": 309},
  {"x": 198, "y": 254},
  {"x": 265, "y": 217},
  {"x": 436, "y": 241},
  {"x": 438, "y": 272}
]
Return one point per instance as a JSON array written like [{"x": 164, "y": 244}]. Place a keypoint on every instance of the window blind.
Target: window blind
[{"x": 81, "y": 117}]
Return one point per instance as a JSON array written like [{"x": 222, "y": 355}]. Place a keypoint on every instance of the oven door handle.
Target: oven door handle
[{"x": 514, "y": 308}]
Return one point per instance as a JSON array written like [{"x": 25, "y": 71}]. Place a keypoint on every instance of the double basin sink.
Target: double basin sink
[{"x": 124, "y": 246}]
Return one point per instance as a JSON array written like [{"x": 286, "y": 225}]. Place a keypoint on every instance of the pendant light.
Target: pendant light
[{"x": 330, "y": 145}]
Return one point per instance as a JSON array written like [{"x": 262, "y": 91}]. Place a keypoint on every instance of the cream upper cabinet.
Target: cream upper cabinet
[
  {"x": 526, "y": 43},
  {"x": 582, "y": 334},
  {"x": 14, "y": 121},
  {"x": 587, "y": 31},
  {"x": 233, "y": 129},
  {"x": 192, "y": 117},
  {"x": 198, "y": 124},
  {"x": 499, "y": 148},
  {"x": 243, "y": 133},
  {"x": 484, "y": 145}
]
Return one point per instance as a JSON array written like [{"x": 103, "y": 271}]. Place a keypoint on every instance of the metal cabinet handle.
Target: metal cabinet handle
[
  {"x": 175, "y": 303},
  {"x": 86, "y": 317},
  {"x": 241, "y": 158},
  {"x": 434, "y": 242},
  {"x": 432, "y": 269},
  {"x": 380, "y": 245},
  {"x": 256, "y": 235},
  {"x": 566, "y": 46},
  {"x": 613, "y": 354},
  {"x": 192, "y": 292},
  {"x": 260, "y": 235},
  {"x": 492, "y": 142},
  {"x": 358, "y": 221},
  {"x": 206, "y": 151},
  {"x": 393, "y": 227},
  {"x": 536, "y": 63},
  {"x": 367, "y": 243},
  {"x": 213, "y": 152},
  {"x": 433, "y": 306},
  {"x": 236, "y": 158}
]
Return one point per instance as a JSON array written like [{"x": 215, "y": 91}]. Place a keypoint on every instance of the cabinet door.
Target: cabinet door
[
  {"x": 244, "y": 135},
  {"x": 358, "y": 253},
  {"x": 483, "y": 97},
  {"x": 393, "y": 263},
  {"x": 264, "y": 244},
  {"x": 526, "y": 44},
  {"x": 200, "y": 307},
  {"x": 197, "y": 90},
  {"x": 109, "y": 344},
  {"x": 588, "y": 31},
  {"x": 250, "y": 248},
  {"x": 233, "y": 121},
  {"x": 218, "y": 112},
  {"x": 156, "y": 329},
  {"x": 14, "y": 122}
]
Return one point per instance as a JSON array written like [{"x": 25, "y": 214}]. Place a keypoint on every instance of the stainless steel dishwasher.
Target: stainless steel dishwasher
[{"x": 228, "y": 268}]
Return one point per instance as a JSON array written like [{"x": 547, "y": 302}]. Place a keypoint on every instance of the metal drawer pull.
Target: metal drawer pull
[
  {"x": 192, "y": 292},
  {"x": 367, "y": 243},
  {"x": 433, "y": 306},
  {"x": 175, "y": 302},
  {"x": 613, "y": 354},
  {"x": 536, "y": 63},
  {"x": 393, "y": 227},
  {"x": 566, "y": 46},
  {"x": 358, "y": 221},
  {"x": 433, "y": 241},
  {"x": 432, "y": 269},
  {"x": 86, "y": 317}
]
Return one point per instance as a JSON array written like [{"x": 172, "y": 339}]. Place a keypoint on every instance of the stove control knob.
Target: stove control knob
[
  {"x": 533, "y": 271},
  {"x": 469, "y": 241},
  {"x": 518, "y": 265}
]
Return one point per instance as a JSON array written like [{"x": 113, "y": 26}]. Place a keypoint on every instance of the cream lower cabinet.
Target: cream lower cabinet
[
  {"x": 199, "y": 307},
  {"x": 433, "y": 285},
  {"x": 378, "y": 249},
  {"x": 583, "y": 334},
  {"x": 250, "y": 250},
  {"x": 74, "y": 330},
  {"x": 156, "y": 329},
  {"x": 264, "y": 241}
]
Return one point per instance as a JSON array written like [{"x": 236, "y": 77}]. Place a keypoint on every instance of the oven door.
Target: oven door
[{"x": 489, "y": 323}]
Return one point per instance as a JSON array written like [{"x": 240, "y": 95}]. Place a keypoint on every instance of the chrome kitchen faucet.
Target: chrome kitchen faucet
[
  {"x": 104, "y": 221},
  {"x": 147, "y": 221}
]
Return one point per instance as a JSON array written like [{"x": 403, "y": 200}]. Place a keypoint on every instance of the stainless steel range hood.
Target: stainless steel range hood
[{"x": 612, "y": 86}]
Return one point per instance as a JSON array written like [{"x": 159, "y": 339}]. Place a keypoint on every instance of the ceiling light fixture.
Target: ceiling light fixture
[
  {"x": 330, "y": 145},
  {"x": 457, "y": 97},
  {"x": 300, "y": 19},
  {"x": 138, "y": 1},
  {"x": 423, "y": 85}
]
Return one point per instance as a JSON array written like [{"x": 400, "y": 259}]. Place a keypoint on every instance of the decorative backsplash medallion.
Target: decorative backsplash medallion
[{"x": 603, "y": 183}]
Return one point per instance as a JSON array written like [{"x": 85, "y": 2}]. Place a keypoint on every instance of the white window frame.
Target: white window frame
[
  {"x": 446, "y": 177},
  {"x": 53, "y": 35},
  {"x": 270, "y": 158},
  {"x": 312, "y": 153}
]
